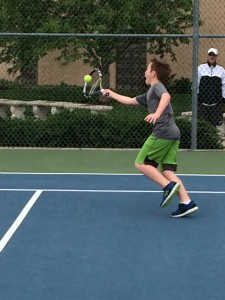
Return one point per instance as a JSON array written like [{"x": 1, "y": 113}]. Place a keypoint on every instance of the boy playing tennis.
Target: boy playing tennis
[{"x": 162, "y": 145}]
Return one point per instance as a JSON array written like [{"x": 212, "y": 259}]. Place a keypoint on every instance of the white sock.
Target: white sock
[{"x": 185, "y": 202}]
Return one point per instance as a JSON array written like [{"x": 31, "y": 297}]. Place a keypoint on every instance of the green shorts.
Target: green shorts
[{"x": 157, "y": 151}]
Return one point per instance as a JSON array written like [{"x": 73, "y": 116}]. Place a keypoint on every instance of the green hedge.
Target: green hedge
[
  {"x": 81, "y": 129},
  {"x": 61, "y": 92},
  {"x": 207, "y": 135}
]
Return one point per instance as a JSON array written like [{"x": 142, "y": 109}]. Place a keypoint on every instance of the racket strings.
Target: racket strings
[{"x": 94, "y": 87}]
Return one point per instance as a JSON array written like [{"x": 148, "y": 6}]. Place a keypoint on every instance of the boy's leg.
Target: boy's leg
[
  {"x": 186, "y": 206},
  {"x": 148, "y": 160},
  {"x": 182, "y": 193},
  {"x": 152, "y": 173},
  {"x": 168, "y": 171},
  {"x": 149, "y": 157}
]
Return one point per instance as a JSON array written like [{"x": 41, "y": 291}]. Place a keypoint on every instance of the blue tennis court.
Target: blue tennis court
[{"x": 104, "y": 236}]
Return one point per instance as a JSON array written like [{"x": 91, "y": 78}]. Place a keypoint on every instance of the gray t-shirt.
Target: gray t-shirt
[{"x": 165, "y": 127}]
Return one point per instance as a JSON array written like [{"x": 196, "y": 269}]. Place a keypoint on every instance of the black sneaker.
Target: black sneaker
[
  {"x": 184, "y": 210},
  {"x": 169, "y": 192}
]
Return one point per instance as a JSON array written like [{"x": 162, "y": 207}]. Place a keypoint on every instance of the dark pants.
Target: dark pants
[{"x": 212, "y": 114}]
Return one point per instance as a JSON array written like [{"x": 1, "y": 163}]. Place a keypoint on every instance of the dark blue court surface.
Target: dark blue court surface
[{"x": 104, "y": 237}]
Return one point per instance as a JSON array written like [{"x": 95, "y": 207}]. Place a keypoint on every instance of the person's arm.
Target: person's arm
[
  {"x": 163, "y": 103},
  {"x": 223, "y": 85},
  {"x": 120, "y": 98},
  {"x": 199, "y": 79}
]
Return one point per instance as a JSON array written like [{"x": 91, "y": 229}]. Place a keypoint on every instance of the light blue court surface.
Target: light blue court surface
[{"x": 104, "y": 236}]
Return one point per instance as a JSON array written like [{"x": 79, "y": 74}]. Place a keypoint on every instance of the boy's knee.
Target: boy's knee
[
  {"x": 147, "y": 162},
  {"x": 137, "y": 165}
]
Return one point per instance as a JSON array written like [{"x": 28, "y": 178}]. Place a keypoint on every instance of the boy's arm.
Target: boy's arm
[
  {"x": 164, "y": 101},
  {"x": 120, "y": 98}
]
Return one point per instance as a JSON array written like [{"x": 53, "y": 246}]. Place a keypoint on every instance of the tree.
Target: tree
[
  {"x": 20, "y": 52},
  {"x": 98, "y": 17}
]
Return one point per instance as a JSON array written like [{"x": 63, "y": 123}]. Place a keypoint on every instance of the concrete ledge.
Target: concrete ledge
[{"x": 41, "y": 107}]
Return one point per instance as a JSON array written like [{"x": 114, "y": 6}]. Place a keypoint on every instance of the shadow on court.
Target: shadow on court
[{"x": 95, "y": 237}]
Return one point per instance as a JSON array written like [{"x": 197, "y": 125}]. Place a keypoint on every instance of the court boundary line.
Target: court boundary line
[
  {"x": 18, "y": 221},
  {"x": 105, "y": 191},
  {"x": 105, "y": 174},
  {"x": 37, "y": 193}
]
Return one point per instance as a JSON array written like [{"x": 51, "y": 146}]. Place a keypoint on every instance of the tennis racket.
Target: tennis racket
[{"x": 95, "y": 85}]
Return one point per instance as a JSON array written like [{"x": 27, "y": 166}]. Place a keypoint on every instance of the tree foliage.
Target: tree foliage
[{"x": 89, "y": 16}]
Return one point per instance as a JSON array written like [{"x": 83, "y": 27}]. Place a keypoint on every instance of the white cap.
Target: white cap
[{"x": 213, "y": 50}]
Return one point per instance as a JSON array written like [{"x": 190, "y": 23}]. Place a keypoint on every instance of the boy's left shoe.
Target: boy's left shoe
[
  {"x": 169, "y": 193},
  {"x": 184, "y": 209}
]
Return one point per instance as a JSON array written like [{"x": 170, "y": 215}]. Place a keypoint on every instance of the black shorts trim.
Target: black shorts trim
[
  {"x": 150, "y": 162},
  {"x": 169, "y": 167}
]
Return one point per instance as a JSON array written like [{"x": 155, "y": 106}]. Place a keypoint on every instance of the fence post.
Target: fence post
[{"x": 195, "y": 74}]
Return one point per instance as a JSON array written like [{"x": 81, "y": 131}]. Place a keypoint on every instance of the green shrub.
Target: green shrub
[
  {"x": 81, "y": 129},
  {"x": 180, "y": 86},
  {"x": 207, "y": 135},
  {"x": 60, "y": 92}
]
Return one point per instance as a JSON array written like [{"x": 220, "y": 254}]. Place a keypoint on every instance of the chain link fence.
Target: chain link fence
[{"x": 46, "y": 48}]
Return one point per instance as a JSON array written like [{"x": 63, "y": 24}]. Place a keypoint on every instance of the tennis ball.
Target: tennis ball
[{"x": 87, "y": 78}]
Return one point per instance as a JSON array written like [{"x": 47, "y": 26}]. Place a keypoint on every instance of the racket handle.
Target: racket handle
[{"x": 107, "y": 94}]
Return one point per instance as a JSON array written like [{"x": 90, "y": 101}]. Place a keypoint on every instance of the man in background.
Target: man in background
[{"x": 211, "y": 89}]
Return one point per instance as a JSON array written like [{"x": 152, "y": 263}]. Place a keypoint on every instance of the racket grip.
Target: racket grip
[{"x": 107, "y": 94}]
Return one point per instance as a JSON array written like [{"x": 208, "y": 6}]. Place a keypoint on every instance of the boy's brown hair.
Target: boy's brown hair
[{"x": 162, "y": 70}]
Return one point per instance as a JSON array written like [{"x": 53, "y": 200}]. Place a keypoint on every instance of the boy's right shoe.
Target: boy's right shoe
[
  {"x": 169, "y": 193},
  {"x": 184, "y": 210}
]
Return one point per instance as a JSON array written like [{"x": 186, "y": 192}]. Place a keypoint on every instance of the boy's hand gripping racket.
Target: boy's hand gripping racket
[{"x": 93, "y": 84}]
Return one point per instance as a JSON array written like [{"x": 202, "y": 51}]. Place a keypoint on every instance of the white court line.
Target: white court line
[
  {"x": 19, "y": 220},
  {"x": 34, "y": 198},
  {"x": 107, "y": 174},
  {"x": 107, "y": 191}
]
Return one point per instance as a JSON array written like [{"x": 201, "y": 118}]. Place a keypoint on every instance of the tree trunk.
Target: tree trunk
[
  {"x": 130, "y": 65},
  {"x": 105, "y": 73},
  {"x": 29, "y": 75},
  {"x": 105, "y": 79}
]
